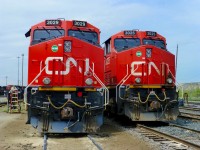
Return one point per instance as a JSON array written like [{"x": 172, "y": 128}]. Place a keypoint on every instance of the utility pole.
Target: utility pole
[
  {"x": 22, "y": 68},
  {"x": 6, "y": 80},
  {"x": 18, "y": 72}
]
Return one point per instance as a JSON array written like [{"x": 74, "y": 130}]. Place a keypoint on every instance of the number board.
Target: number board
[
  {"x": 53, "y": 22},
  {"x": 150, "y": 33},
  {"x": 79, "y": 23},
  {"x": 129, "y": 32}
]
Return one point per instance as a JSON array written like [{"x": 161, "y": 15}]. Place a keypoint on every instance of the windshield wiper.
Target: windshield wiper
[
  {"x": 81, "y": 31},
  {"x": 58, "y": 30},
  {"x": 46, "y": 30}
]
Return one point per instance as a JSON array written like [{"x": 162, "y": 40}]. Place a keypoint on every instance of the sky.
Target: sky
[{"x": 177, "y": 20}]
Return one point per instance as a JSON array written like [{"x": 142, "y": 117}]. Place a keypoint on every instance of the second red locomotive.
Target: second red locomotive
[{"x": 140, "y": 75}]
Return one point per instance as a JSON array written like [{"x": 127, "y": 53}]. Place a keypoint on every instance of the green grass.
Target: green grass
[{"x": 193, "y": 95}]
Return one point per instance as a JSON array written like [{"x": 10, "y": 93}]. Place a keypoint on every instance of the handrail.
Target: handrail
[
  {"x": 176, "y": 82},
  {"x": 106, "y": 101},
  {"x": 25, "y": 90},
  {"x": 123, "y": 81}
]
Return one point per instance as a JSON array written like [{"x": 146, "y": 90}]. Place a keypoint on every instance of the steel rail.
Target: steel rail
[
  {"x": 45, "y": 142},
  {"x": 190, "y": 115},
  {"x": 3, "y": 104},
  {"x": 174, "y": 125},
  {"x": 94, "y": 142},
  {"x": 167, "y": 136},
  {"x": 190, "y": 108}
]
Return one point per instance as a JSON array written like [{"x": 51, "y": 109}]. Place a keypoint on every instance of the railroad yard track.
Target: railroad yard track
[
  {"x": 90, "y": 138},
  {"x": 3, "y": 104},
  {"x": 168, "y": 140},
  {"x": 189, "y": 108},
  {"x": 190, "y": 115},
  {"x": 94, "y": 142},
  {"x": 182, "y": 127}
]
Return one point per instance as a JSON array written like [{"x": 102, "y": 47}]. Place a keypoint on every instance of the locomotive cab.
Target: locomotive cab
[
  {"x": 140, "y": 75},
  {"x": 66, "y": 91}
]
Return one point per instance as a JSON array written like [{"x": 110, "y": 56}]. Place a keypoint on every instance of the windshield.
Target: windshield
[
  {"x": 126, "y": 43},
  {"x": 90, "y": 37},
  {"x": 157, "y": 43},
  {"x": 41, "y": 35}
]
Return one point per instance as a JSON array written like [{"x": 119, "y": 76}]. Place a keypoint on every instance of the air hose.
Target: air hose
[
  {"x": 148, "y": 97},
  {"x": 68, "y": 101}
]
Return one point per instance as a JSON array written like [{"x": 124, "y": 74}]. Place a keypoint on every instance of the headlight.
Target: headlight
[
  {"x": 67, "y": 46},
  {"x": 46, "y": 81},
  {"x": 137, "y": 80},
  {"x": 89, "y": 81},
  {"x": 169, "y": 80}
]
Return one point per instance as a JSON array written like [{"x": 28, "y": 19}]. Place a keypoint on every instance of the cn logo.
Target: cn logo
[
  {"x": 68, "y": 63},
  {"x": 136, "y": 64}
]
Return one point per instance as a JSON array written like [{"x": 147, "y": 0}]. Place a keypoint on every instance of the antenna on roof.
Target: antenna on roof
[{"x": 176, "y": 57}]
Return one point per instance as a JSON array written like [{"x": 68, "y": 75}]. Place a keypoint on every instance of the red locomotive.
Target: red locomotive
[
  {"x": 65, "y": 91},
  {"x": 140, "y": 75}
]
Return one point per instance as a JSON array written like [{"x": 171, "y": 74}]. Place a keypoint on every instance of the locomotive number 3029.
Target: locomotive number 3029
[{"x": 53, "y": 22}]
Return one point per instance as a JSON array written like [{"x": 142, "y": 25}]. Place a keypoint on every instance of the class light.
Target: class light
[
  {"x": 67, "y": 46},
  {"x": 89, "y": 81},
  {"x": 46, "y": 81}
]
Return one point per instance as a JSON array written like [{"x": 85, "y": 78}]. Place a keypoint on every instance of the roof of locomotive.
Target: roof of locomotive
[
  {"x": 138, "y": 34},
  {"x": 64, "y": 24}
]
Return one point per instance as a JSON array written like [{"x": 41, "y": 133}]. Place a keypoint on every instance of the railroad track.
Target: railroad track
[
  {"x": 94, "y": 142},
  {"x": 166, "y": 139},
  {"x": 189, "y": 108},
  {"x": 182, "y": 127},
  {"x": 3, "y": 104},
  {"x": 45, "y": 143},
  {"x": 190, "y": 115}
]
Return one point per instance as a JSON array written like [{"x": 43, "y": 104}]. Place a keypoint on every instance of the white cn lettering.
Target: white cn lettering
[
  {"x": 86, "y": 66},
  {"x": 152, "y": 64},
  {"x": 68, "y": 63},
  {"x": 137, "y": 64},
  {"x": 134, "y": 69},
  {"x": 47, "y": 63}
]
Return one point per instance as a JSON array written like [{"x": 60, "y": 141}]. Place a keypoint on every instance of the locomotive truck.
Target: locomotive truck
[
  {"x": 66, "y": 91},
  {"x": 140, "y": 76}
]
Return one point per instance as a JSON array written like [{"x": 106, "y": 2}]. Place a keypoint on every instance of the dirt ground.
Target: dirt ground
[{"x": 16, "y": 135}]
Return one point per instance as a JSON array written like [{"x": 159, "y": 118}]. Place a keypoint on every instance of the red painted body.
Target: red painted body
[
  {"x": 140, "y": 75},
  {"x": 152, "y": 71},
  {"x": 80, "y": 51},
  {"x": 65, "y": 77}
]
